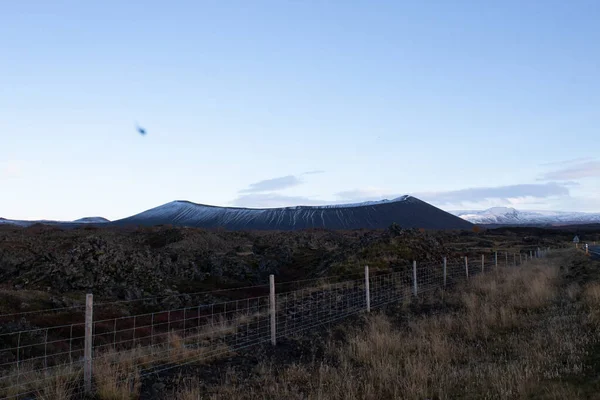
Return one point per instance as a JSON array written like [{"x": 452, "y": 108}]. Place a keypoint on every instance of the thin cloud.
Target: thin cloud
[
  {"x": 589, "y": 169},
  {"x": 272, "y": 184},
  {"x": 570, "y": 183},
  {"x": 279, "y": 183},
  {"x": 567, "y": 162},
  {"x": 360, "y": 195},
  {"x": 271, "y": 200},
  {"x": 504, "y": 194},
  {"x": 316, "y": 171}
]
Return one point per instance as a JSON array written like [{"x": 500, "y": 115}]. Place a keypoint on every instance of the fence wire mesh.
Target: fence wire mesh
[{"x": 34, "y": 361}]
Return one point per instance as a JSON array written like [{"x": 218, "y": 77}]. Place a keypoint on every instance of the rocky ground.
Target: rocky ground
[
  {"x": 160, "y": 261},
  {"x": 43, "y": 267}
]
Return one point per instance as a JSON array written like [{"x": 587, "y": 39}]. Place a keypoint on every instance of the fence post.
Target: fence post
[
  {"x": 467, "y": 267},
  {"x": 87, "y": 352},
  {"x": 587, "y": 252},
  {"x": 415, "y": 278},
  {"x": 506, "y": 258},
  {"x": 272, "y": 309},
  {"x": 520, "y": 258},
  {"x": 367, "y": 288},
  {"x": 482, "y": 263},
  {"x": 530, "y": 255},
  {"x": 444, "y": 271},
  {"x": 496, "y": 259}
]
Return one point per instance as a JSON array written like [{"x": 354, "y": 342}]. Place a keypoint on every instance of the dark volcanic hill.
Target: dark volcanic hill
[{"x": 406, "y": 211}]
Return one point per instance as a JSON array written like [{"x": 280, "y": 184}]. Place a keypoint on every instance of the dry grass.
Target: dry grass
[
  {"x": 116, "y": 375},
  {"x": 55, "y": 383},
  {"x": 591, "y": 298},
  {"x": 591, "y": 294},
  {"x": 517, "y": 333},
  {"x": 511, "y": 333},
  {"x": 189, "y": 390}
]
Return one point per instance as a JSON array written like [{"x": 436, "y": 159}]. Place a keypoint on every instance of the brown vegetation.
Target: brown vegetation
[
  {"x": 518, "y": 333},
  {"x": 522, "y": 333}
]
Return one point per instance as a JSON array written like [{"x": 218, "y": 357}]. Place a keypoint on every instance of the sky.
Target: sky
[{"x": 464, "y": 104}]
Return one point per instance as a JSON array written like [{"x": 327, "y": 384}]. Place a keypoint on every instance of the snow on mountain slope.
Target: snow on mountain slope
[
  {"x": 4, "y": 221},
  {"x": 406, "y": 211},
  {"x": 507, "y": 215},
  {"x": 78, "y": 222},
  {"x": 91, "y": 220}
]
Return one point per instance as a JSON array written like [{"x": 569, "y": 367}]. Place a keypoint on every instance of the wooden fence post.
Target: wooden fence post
[
  {"x": 367, "y": 288},
  {"x": 87, "y": 351},
  {"x": 482, "y": 263},
  {"x": 415, "y": 278},
  {"x": 272, "y": 309},
  {"x": 467, "y": 267}
]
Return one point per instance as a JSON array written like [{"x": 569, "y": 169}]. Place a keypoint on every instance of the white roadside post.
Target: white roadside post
[
  {"x": 496, "y": 259},
  {"x": 467, "y": 267},
  {"x": 415, "y": 278},
  {"x": 272, "y": 309},
  {"x": 367, "y": 288},
  {"x": 87, "y": 352}
]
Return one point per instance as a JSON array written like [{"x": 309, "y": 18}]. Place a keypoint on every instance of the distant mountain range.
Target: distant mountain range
[
  {"x": 77, "y": 222},
  {"x": 406, "y": 211},
  {"x": 511, "y": 216},
  {"x": 91, "y": 220}
]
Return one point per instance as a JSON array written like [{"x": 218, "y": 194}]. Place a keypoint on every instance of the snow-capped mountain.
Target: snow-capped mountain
[
  {"x": 77, "y": 222},
  {"x": 91, "y": 220},
  {"x": 511, "y": 216},
  {"x": 406, "y": 211}
]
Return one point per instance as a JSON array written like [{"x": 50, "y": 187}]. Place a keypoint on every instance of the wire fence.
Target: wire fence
[{"x": 37, "y": 361}]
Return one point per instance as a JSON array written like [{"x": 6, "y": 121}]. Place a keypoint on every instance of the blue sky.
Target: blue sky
[{"x": 465, "y": 104}]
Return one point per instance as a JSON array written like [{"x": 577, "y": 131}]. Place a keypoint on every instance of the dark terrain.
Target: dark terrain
[
  {"x": 165, "y": 268},
  {"x": 406, "y": 211},
  {"x": 117, "y": 263}
]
